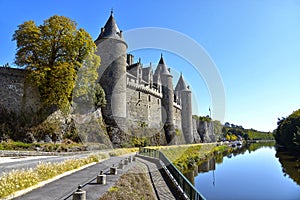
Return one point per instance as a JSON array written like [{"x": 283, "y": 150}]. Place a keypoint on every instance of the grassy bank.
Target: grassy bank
[
  {"x": 135, "y": 184},
  {"x": 186, "y": 157},
  {"x": 121, "y": 151}
]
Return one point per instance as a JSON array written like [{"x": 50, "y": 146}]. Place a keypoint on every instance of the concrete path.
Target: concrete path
[
  {"x": 64, "y": 187},
  {"x": 161, "y": 187}
]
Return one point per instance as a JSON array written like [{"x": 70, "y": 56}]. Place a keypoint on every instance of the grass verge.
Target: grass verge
[
  {"x": 121, "y": 151},
  {"x": 135, "y": 184},
  {"x": 186, "y": 157}
]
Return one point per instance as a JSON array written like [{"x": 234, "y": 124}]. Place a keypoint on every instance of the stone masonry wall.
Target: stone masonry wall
[
  {"x": 155, "y": 119},
  {"x": 177, "y": 118},
  {"x": 11, "y": 90},
  {"x": 143, "y": 108},
  {"x": 16, "y": 92}
]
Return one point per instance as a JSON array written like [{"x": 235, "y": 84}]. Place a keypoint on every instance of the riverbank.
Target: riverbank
[{"x": 186, "y": 157}]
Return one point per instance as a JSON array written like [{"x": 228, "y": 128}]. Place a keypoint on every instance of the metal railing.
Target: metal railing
[{"x": 189, "y": 190}]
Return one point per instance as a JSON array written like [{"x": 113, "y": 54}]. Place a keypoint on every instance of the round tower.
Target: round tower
[
  {"x": 167, "y": 101},
  {"x": 185, "y": 99},
  {"x": 112, "y": 72}
]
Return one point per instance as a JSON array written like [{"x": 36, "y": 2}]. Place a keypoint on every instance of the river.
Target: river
[{"x": 251, "y": 173}]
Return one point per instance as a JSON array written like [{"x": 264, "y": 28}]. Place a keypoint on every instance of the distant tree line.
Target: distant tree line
[{"x": 234, "y": 132}]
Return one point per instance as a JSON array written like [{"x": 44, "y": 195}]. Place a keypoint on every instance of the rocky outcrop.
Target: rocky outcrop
[
  {"x": 196, "y": 135},
  {"x": 56, "y": 127},
  {"x": 203, "y": 131}
]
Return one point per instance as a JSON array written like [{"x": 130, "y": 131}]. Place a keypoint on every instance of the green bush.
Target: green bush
[
  {"x": 12, "y": 145},
  {"x": 140, "y": 141},
  {"x": 288, "y": 131}
]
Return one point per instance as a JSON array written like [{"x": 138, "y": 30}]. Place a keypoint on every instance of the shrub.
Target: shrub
[{"x": 288, "y": 131}]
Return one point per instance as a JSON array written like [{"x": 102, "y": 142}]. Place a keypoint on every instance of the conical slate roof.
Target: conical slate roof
[
  {"x": 110, "y": 29},
  {"x": 163, "y": 67},
  {"x": 181, "y": 84},
  {"x": 161, "y": 61}
]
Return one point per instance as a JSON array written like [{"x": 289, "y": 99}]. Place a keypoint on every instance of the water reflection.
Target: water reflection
[
  {"x": 261, "y": 173},
  {"x": 202, "y": 168},
  {"x": 290, "y": 163}
]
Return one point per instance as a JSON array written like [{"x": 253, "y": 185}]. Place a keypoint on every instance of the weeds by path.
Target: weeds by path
[{"x": 135, "y": 184}]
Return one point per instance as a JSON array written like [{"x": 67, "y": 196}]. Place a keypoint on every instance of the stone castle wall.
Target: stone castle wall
[
  {"x": 177, "y": 117},
  {"x": 16, "y": 92},
  {"x": 112, "y": 76},
  {"x": 144, "y": 107}
]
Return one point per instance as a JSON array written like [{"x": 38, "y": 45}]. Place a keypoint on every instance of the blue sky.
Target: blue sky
[{"x": 255, "y": 45}]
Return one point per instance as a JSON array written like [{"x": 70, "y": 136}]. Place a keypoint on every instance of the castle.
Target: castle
[
  {"x": 141, "y": 101},
  {"x": 137, "y": 96}
]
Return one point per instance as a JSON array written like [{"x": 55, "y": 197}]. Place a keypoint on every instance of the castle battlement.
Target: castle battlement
[
  {"x": 13, "y": 72},
  {"x": 176, "y": 105},
  {"x": 143, "y": 88}
]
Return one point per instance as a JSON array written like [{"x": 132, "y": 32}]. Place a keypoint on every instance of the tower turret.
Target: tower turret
[
  {"x": 185, "y": 99},
  {"x": 112, "y": 72},
  {"x": 167, "y": 100}
]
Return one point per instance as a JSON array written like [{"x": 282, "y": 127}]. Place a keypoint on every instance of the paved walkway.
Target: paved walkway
[
  {"x": 161, "y": 188},
  {"x": 64, "y": 187}
]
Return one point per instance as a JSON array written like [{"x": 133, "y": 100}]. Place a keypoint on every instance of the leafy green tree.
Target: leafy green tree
[
  {"x": 228, "y": 138},
  {"x": 99, "y": 98},
  {"x": 227, "y": 124},
  {"x": 53, "y": 53},
  {"x": 233, "y": 137},
  {"x": 87, "y": 91},
  {"x": 246, "y": 136},
  {"x": 288, "y": 131}
]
